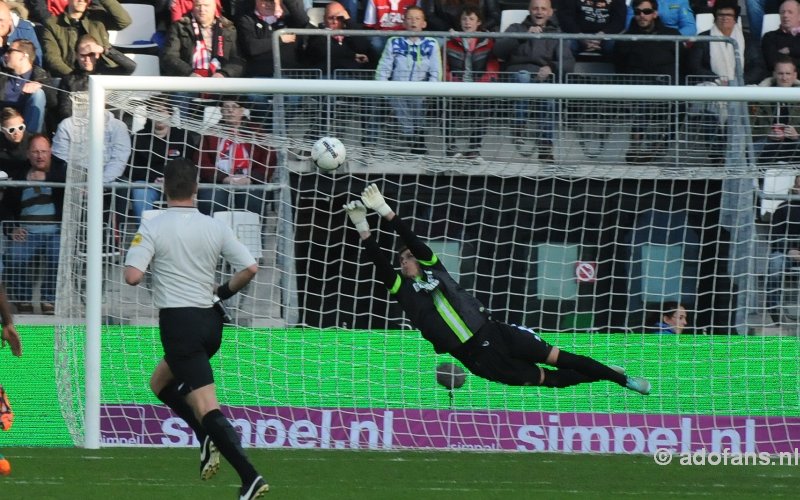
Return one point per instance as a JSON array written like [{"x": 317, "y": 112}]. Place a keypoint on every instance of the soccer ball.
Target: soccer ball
[
  {"x": 450, "y": 376},
  {"x": 328, "y": 153}
]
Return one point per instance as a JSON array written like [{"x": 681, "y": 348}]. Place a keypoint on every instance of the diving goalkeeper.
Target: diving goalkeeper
[{"x": 456, "y": 323}]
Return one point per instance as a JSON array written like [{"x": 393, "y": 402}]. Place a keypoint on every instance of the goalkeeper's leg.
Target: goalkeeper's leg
[{"x": 590, "y": 369}]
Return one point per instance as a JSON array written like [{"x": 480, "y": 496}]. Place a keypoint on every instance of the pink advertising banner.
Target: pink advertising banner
[{"x": 396, "y": 429}]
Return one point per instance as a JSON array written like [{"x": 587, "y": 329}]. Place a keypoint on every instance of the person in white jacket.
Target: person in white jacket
[
  {"x": 414, "y": 59},
  {"x": 70, "y": 144}
]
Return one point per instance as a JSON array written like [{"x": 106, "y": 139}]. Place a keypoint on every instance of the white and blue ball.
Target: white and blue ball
[{"x": 328, "y": 153}]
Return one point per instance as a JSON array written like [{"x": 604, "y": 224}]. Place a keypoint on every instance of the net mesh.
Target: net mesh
[{"x": 577, "y": 217}]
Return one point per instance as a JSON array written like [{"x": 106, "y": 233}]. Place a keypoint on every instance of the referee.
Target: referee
[
  {"x": 183, "y": 247},
  {"x": 455, "y": 322}
]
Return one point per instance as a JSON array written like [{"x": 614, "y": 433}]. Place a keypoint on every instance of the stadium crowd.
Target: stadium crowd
[{"x": 49, "y": 49}]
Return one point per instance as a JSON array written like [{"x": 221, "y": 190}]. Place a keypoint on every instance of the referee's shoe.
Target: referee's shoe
[
  {"x": 209, "y": 459},
  {"x": 255, "y": 489}
]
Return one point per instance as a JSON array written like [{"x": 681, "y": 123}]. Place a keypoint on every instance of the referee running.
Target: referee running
[{"x": 183, "y": 247}]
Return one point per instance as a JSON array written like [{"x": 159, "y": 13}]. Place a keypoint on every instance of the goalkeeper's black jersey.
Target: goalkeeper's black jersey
[{"x": 446, "y": 314}]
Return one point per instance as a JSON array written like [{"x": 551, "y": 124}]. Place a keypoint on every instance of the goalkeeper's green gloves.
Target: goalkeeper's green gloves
[
  {"x": 373, "y": 199},
  {"x": 358, "y": 215}
]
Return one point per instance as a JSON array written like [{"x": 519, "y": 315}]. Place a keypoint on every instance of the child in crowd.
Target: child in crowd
[
  {"x": 416, "y": 59},
  {"x": 469, "y": 59}
]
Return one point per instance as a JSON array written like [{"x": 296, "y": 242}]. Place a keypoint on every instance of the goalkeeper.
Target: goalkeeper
[{"x": 455, "y": 322}]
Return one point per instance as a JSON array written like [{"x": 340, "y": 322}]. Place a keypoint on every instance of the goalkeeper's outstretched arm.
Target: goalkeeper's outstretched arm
[
  {"x": 372, "y": 198},
  {"x": 383, "y": 268}
]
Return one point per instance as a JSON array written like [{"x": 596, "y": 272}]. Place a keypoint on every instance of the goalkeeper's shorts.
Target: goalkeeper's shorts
[{"x": 6, "y": 414}]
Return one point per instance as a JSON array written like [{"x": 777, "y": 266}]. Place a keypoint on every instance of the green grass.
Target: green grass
[{"x": 153, "y": 474}]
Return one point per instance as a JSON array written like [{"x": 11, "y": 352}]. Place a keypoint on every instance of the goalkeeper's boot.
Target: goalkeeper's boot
[
  {"x": 209, "y": 459},
  {"x": 617, "y": 369},
  {"x": 257, "y": 488},
  {"x": 638, "y": 384}
]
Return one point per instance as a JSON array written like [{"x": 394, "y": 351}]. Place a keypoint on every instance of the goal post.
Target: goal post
[{"x": 338, "y": 356}]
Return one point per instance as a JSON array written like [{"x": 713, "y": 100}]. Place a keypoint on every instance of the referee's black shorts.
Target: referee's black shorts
[
  {"x": 505, "y": 353},
  {"x": 190, "y": 337}
]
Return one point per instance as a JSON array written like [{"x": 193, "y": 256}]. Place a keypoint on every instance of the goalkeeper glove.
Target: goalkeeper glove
[
  {"x": 373, "y": 199},
  {"x": 358, "y": 215}
]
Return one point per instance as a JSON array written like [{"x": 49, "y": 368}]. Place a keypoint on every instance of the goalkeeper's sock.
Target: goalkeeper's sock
[
  {"x": 564, "y": 378},
  {"x": 172, "y": 397},
  {"x": 592, "y": 369},
  {"x": 229, "y": 444}
]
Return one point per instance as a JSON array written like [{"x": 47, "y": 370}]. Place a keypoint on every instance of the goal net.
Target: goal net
[{"x": 576, "y": 210}]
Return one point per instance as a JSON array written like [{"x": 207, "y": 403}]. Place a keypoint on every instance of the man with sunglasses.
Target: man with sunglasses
[
  {"x": 61, "y": 32},
  {"x": 26, "y": 87},
  {"x": 639, "y": 59},
  {"x": 676, "y": 14}
]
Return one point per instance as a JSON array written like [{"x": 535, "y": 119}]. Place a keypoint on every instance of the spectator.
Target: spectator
[
  {"x": 346, "y": 52},
  {"x": 28, "y": 87},
  {"x": 202, "y": 44},
  {"x": 116, "y": 142},
  {"x": 670, "y": 319},
  {"x": 341, "y": 57},
  {"x": 13, "y": 143},
  {"x": 233, "y": 161},
  {"x": 717, "y": 59},
  {"x": 180, "y": 8},
  {"x": 386, "y": 15},
  {"x": 13, "y": 28},
  {"x": 61, "y": 32},
  {"x": 784, "y": 40},
  {"x": 784, "y": 250},
  {"x": 255, "y": 29},
  {"x": 416, "y": 59},
  {"x": 755, "y": 16},
  {"x": 535, "y": 60},
  {"x": 592, "y": 17},
  {"x": 676, "y": 14},
  {"x": 90, "y": 61},
  {"x": 469, "y": 59},
  {"x": 446, "y": 14},
  {"x": 153, "y": 146},
  {"x": 647, "y": 57},
  {"x": 38, "y": 210},
  {"x": 42, "y": 10},
  {"x": 775, "y": 125}
]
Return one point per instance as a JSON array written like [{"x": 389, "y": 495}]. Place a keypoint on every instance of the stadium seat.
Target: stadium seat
[
  {"x": 704, "y": 21},
  {"x": 316, "y": 16},
  {"x": 776, "y": 182},
  {"x": 512, "y": 16},
  {"x": 771, "y": 23},
  {"x": 146, "y": 65},
  {"x": 246, "y": 226},
  {"x": 140, "y": 33}
]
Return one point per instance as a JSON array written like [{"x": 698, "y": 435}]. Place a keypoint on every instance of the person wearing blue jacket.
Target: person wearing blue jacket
[{"x": 13, "y": 28}]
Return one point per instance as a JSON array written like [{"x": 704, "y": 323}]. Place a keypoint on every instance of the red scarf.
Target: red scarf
[
  {"x": 202, "y": 62},
  {"x": 233, "y": 158}
]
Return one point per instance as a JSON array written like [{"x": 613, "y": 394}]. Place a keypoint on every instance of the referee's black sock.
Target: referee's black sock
[
  {"x": 172, "y": 397},
  {"x": 229, "y": 444},
  {"x": 592, "y": 369}
]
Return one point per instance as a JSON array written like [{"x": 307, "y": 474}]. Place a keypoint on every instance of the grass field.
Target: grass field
[{"x": 154, "y": 474}]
